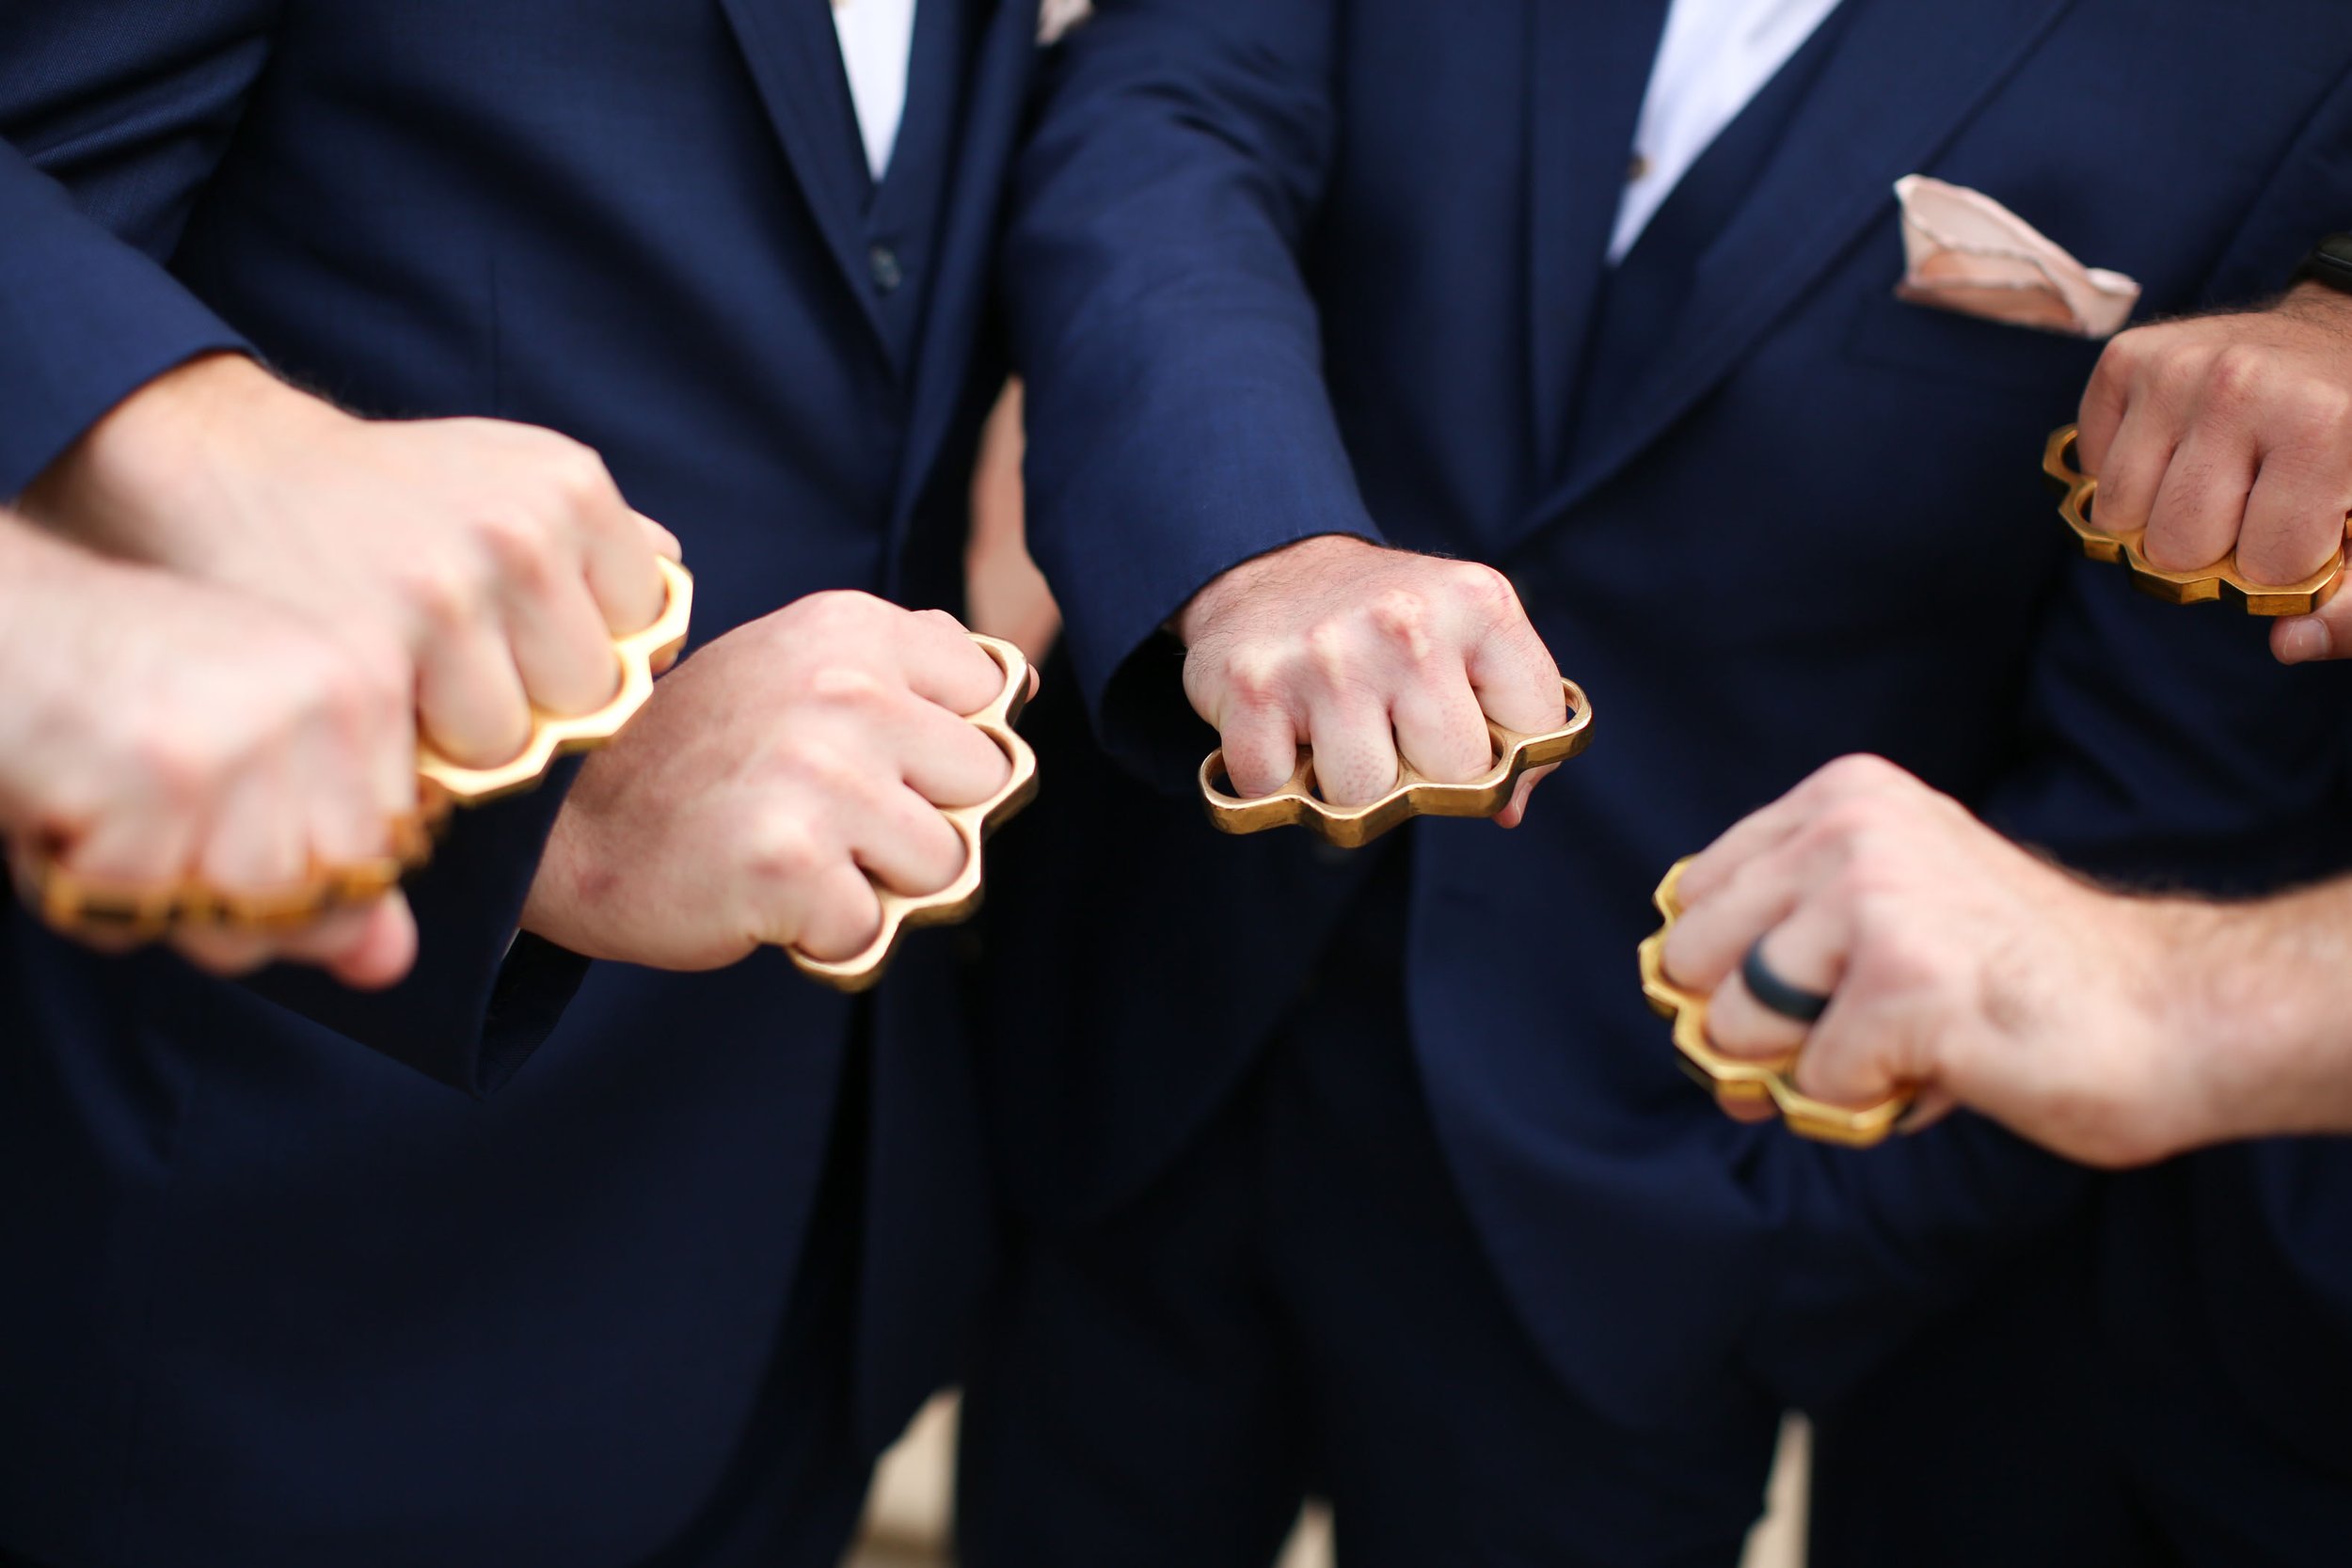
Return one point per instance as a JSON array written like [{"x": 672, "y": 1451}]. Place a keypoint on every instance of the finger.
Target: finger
[
  {"x": 900, "y": 840},
  {"x": 357, "y": 766},
  {"x": 2295, "y": 518},
  {"x": 368, "y": 949},
  {"x": 1355, "y": 749},
  {"x": 1516, "y": 812},
  {"x": 2201, "y": 504},
  {"x": 1711, "y": 937},
  {"x": 562, "y": 649},
  {"x": 2106, "y": 398},
  {"x": 1440, "y": 727},
  {"x": 1932, "y": 1106},
  {"x": 947, "y": 760},
  {"x": 255, "y": 842},
  {"x": 1750, "y": 1110},
  {"x": 833, "y": 914},
  {"x": 1861, "y": 1053},
  {"x": 139, "y": 842},
  {"x": 1808, "y": 950},
  {"x": 1260, "y": 744},
  {"x": 469, "y": 696},
  {"x": 1516, "y": 679},
  {"x": 944, "y": 665},
  {"x": 664, "y": 543},
  {"x": 1757, "y": 834},
  {"x": 617, "y": 546},
  {"x": 2132, "y": 470},
  {"x": 2308, "y": 639}
]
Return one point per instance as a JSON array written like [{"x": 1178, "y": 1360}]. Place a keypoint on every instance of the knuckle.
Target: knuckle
[
  {"x": 837, "y": 612},
  {"x": 1256, "y": 676},
  {"x": 521, "y": 546},
  {"x": 445, "y": 590},
  {"x": 1857, "y": 773},
  {"x": 1402, "y": 618},
  {"x": 1331, "y": 651},
  {"x": 1485, "y": 589},
  {"x": 2235, "y": 374},
  {"x": 787, "y": 851},
  {"x": 834, "y": 684},
  {"x": 180, "y": 764},
  {"x": 2323, "y": 412}
]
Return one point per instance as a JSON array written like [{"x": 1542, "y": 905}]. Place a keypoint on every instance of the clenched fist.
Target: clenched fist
[
  {"x": 2113, "y": 1030},
  {"x": 770, "y": 776},
  {"x": 1365, "y": 654},
  {"x": 496, "y": 558},
  {"x": 154, "y": 731},
  {"x": 2234, "y": 433}
]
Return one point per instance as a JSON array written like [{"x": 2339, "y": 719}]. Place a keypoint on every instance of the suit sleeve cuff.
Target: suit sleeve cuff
[
  {"x": 481, "y": 1000},
  {"x": 86, "y": 319}
]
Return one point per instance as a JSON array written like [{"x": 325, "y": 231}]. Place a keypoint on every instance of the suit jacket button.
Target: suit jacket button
[{"x": 882, "y": 263}]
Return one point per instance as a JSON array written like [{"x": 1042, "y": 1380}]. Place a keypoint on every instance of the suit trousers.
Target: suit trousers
[{"x": 1298, "y": 1304}]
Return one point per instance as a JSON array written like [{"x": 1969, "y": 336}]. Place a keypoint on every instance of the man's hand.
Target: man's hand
[
  {"x": 1364, "y": 654},
  {"x": 2234, "y": 433},
  {"x": 769, "y": 776},
  {"x": 496, "y": 558},
  {"x": 153, "y": 729},
  {"x": 1959, "y": 964}
]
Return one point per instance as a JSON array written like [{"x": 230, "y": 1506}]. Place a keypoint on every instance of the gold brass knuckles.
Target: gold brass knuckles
[
  {"x": 73, "y": 903},
  {"x": 1736, "y": 1079},
  {"x": 552, "y": 734},
  {"x": 1353, "y": 827},
  {"x": 2219, "y": 580},
  {"x": 973, "y": 824}
]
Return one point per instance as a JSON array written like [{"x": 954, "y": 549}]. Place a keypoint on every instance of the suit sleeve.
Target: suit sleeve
[
  {"x": 114, "y": 115},
  {"x": 1178, "y": 421}
]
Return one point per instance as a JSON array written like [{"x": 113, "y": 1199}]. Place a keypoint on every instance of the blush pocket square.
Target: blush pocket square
[{"x": 1965, "y": 252}]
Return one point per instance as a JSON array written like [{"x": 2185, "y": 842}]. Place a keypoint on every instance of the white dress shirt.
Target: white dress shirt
[
  {"x": 877, "y": 45},
  {"x": 1714, "y": 56}
]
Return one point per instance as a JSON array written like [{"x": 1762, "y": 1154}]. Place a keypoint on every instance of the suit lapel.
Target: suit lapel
[
  {"x": 967, "y": 243},
  {"x": 1588, "y": 67},
  {"x": 795, "y": 60},
  {"x": 1902, "y": 81}
]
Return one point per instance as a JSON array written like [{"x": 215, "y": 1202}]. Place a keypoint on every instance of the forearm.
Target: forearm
[
  {"x": 2265, "y": 1011},
  {"x": 44, "y": 585},
  {"x": 1178, "y": 419}
]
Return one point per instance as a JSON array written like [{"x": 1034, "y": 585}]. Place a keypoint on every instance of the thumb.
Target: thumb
[{"x": 2308, "y": 639}]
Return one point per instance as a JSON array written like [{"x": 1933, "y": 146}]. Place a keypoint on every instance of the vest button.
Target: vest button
[{"x": 881, "y": 263}]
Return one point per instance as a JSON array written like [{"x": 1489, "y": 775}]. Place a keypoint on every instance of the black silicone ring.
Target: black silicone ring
[{"x": 1776, "y": 995}]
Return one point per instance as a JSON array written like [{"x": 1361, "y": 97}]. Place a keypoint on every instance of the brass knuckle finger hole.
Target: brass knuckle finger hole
[
  {"x": 2078, "y": 505},
  {"x": 902, "y": 912},
  {"x": 1301, "y": 803},
  {"x": 553, "y": 736},
  {"x": 1740, "y": 1079}
]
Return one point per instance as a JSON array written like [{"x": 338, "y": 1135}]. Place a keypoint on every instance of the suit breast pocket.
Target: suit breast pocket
[{"x": 1968, "y": 351}]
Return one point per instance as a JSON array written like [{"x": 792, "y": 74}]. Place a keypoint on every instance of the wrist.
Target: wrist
[
  {"x": 55, "y": 597},
  {"x": 2319, "y": 303},
  {"x": 1300, "y": 561},
  {"x": 2259, "y": 1026},
  {"x": 138, "y": 478}
]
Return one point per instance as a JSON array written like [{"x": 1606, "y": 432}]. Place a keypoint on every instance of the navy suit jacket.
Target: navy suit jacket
[
  {"x": 1282, "y": 270},
  {"x": 459, "y": 1273}
]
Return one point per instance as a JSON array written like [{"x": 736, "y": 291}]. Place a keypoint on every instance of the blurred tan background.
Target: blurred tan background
[{"x": 908, "y": 1518}]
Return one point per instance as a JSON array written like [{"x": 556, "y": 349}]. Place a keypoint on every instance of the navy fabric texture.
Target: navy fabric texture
[
  {"x": 494, "y": 1269},
  {"x": 1276, "y": 271}
]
